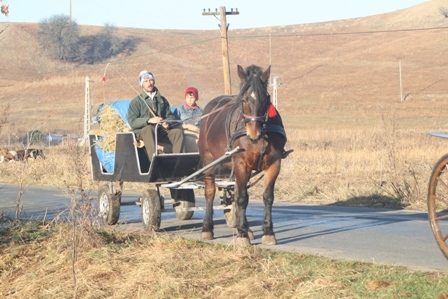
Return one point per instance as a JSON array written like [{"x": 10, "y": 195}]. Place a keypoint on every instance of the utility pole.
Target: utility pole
[
  {"x": 70, "y": 11},
  {"x": 401, "y": 80},
  {"x": 87, "y": 107},
  {"x": 274, "y": 90},
  {"x": 225, "y": 52}
]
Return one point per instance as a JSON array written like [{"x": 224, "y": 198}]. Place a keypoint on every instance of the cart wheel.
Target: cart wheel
[
  {"x": 231, "y": 215},
  {"x": 151, "y": 210},
  {"x": 108, "y": 205},
  {"x": 184, "y": 198},
  {"x": 438, "y": 203}
]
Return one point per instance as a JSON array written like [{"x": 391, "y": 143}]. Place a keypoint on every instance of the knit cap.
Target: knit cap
[
  {"x": 145, "y": 75},
  {"x": 194, "y": 91}
]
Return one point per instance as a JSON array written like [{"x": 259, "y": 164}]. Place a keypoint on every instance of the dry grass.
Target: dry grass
[
  {"x": 380, "y": 167},
  {"x": 37, "y": 261}
]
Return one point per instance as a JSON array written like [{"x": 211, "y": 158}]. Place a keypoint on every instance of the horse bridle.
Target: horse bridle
[{"x": 262, "y": 119}]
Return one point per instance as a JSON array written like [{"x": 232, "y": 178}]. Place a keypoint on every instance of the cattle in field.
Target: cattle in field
[
  {"x": 7, "y": 155},
  {"x": 34, "y": 153},
  {"x": 20, "y": 155},
  {"x": 23, "y": 155}
]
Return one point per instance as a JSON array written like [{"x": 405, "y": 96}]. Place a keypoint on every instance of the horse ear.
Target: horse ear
[
  {"x": 266, "y": 74},
  {"x": 242, "y": 74}
]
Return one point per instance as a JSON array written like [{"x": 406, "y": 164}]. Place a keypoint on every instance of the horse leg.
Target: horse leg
[
  {"x": 242, "y": 201},
  {"x": 268, "y": 200},
  {"x": 207, "y": 225}
]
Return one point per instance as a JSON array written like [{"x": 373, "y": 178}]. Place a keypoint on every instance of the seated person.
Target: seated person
[
  {"x": 190, "y": 112},
  {"x": 150, "y": 108}
]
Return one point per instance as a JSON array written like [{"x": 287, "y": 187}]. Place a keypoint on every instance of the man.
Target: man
[
  {"x": 190, "y": 110},
  {"x": 151, "y": 108}
]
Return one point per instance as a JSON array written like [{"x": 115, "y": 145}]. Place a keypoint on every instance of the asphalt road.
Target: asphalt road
[{"x": 399, "y": 238}]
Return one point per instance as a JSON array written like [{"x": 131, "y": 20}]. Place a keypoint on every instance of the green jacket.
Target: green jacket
[{"x": 138, "y": 113}]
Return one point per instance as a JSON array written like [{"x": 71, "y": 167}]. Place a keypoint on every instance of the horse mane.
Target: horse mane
[{"x": 254, "y": 80}]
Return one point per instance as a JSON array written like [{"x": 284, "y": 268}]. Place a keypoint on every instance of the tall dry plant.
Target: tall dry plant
[{"x": 83, "y": 215}]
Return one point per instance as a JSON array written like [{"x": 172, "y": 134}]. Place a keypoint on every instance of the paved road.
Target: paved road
[{"x": 401, "y": 238}]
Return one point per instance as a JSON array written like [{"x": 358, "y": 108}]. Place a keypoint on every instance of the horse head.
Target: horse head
[{"x": 254, "y": 99}]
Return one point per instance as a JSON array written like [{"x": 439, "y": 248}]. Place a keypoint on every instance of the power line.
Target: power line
[{"x": 272, "y": 34}]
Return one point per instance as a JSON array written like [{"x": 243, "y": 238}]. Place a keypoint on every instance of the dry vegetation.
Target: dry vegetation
[
  {"x": 355, "y": 141},
  {"x": 58, "y": 261}
]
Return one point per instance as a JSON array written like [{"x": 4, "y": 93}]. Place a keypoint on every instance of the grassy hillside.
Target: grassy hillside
[
  {"x": 359, "y": 138},
  {"x": 333, "y": 74}
]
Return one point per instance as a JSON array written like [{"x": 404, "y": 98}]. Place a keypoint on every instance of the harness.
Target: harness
[{"x": 235, "y": 128}]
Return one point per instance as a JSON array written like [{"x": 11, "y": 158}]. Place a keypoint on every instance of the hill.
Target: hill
[{"x": 337, "y": 74}]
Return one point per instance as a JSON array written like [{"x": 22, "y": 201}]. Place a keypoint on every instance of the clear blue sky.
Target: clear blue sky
[{"x": 184, "y": 14}]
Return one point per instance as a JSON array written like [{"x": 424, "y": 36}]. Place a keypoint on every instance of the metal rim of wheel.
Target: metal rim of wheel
[
  {"x": 108, "y": 205},
  {"x": 185, "y": 199},
  {"x": 184, "y": 215},
  {"x": 151, "y": 210},
  {"x": 438, "y": 203},
  {"x": 145, "y": 212},
  {"x": 103, "y": 206},
  {"x": 230, "y": 215}
]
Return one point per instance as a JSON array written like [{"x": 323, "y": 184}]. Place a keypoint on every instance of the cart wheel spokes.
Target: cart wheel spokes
[
  {"x": 438, "y": 203},
  {"x": 108, "y": 205},
  {"x": 151, "y": 210}
]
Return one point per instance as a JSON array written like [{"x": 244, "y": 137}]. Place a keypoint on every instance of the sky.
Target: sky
[{"x": 184, "y": 14}]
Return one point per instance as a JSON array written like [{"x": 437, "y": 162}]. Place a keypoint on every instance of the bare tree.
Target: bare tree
[
  {"x": 103, "y": 45},
  {"x": 443, "y": 11},
  {"x": 4, "y": 8},
  {"x": 59, "y": 36},
  {"x": 4, "y": 116}
]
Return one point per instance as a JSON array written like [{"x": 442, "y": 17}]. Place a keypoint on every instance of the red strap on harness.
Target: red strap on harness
[{"x": 272, "y": 112}]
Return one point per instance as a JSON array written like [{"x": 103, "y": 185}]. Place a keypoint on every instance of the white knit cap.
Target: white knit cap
[{"x": 145, "y": 75}]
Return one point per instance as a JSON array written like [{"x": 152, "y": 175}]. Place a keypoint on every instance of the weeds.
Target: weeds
[{"x": 144, "y": 266}]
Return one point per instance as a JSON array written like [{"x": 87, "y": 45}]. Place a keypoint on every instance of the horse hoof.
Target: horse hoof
[
  {"x": 251, "y": 235},
  {"x": 243, "y": 242},
  {"x": 268, "y": 240},
  {"x": 207, "y": 236}
]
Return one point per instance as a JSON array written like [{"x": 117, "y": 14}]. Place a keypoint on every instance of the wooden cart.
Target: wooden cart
[
  {"x": 177, "y": 172},
  {"x": 438, "y": 200}
]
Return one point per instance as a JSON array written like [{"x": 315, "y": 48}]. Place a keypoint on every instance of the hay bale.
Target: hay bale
[{"x": 110, "y": 124}]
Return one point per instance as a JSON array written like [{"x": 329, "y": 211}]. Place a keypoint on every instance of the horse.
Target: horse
[{"x": 242, "y": 121}]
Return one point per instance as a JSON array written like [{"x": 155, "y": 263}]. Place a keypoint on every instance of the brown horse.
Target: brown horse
[{"x": 242, "y": 121}]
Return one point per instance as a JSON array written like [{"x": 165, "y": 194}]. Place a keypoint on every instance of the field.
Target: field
[{"x": 357, "y": 97}]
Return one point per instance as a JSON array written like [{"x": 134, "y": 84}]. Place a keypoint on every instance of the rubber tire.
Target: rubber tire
[
  {"x": 108, "y": 206},
  {"x": 230, "y": 215},
  {"x": 186, "y": 199},
  {"x": 151, "y": 210},
  {"x": 438, "y": 202}
]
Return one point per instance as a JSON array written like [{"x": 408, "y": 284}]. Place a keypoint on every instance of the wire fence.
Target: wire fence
[{"x": 41, "y": 140}]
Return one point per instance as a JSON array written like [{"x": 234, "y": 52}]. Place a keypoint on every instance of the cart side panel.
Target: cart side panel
[
  {"x": 97, "y": 172},
  {"x": 173, "y": 167},
  {"x": 131, "y": 163}
]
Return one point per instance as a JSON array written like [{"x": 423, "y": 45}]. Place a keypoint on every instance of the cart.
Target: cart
[
  {"x": 177, "y": 172},
  {"x": 438, "y": 200}
]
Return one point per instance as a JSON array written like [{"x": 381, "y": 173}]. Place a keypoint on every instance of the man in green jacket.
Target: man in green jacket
[{"x": 151, "y": 108}]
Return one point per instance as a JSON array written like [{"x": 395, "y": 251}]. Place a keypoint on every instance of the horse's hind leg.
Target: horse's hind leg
[
  {"x": 207, "y": 225},
  {"x": 268, "y": 199}
]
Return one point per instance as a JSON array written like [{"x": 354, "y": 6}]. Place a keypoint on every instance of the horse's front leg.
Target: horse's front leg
[
  {"x": 207, "y": 225},
  {"x": 268, "y": 200},
  {"x": 242, "y": 201}
]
